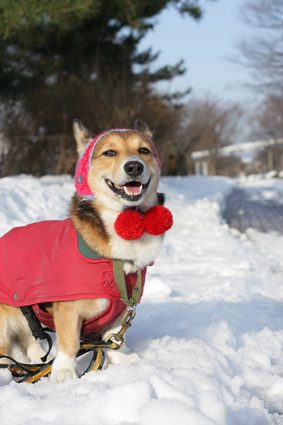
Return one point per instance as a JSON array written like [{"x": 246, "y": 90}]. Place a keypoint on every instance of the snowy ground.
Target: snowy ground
[{"x": 209, "y": 330}]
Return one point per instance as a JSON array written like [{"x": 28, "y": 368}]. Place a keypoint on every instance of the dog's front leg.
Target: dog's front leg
[
  {"x": 68, "y": 327},
  {"x": 121, "y": 355}
]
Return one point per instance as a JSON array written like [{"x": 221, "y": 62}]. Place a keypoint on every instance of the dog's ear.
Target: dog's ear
[
  {"x": 82, "y": 135},
  {"x": 143, "y": 128}
]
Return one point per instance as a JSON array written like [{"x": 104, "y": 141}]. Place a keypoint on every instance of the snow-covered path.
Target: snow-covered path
[
  {"x": 258, "y": 207},
  {"x": 209, "y": 329}
]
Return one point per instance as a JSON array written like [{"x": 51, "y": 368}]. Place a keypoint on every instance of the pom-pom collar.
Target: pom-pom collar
[{"x": 132, "y": 223}]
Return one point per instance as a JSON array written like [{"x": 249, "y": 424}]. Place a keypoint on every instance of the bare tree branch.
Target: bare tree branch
[{"x": 263, "y": 52}]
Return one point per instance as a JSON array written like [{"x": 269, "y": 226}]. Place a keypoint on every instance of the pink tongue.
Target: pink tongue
[{"x": 133, "y": 189}]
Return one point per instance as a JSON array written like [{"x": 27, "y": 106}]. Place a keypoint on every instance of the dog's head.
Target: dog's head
[{"x": 119, "y": 165}]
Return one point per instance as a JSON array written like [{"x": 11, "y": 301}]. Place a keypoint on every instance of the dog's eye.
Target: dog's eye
[
  {"x": 144, "y": 151},
  {"x": 110, "y": 153}
]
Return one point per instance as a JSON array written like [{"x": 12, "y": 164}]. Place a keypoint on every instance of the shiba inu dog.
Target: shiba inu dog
[{"x": 118, "y": 172}]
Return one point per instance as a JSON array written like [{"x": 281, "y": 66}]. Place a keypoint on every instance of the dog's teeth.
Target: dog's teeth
[
  {"x": 129, "y": 192},
  {"x": 118, "y": 187},
  {"x": 130, "y": 189}
]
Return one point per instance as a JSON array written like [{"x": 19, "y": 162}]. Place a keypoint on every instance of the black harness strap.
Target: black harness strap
[
  {"x": 36, "y": 328},
  {"x": 34, "y": 323}
]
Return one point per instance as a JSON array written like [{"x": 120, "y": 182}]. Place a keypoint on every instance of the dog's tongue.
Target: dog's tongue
[{"x": 132, "y": 188}]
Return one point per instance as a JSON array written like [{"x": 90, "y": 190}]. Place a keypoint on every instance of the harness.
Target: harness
[{"x": 33, "y": 372}]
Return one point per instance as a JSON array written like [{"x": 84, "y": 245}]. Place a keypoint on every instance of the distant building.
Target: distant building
[{"x": 272, "y": 159}]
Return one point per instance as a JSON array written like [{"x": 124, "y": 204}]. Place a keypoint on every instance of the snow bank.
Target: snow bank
[
  {"x": 26, "y": 199},
  {"x": 209, "y": 330}
]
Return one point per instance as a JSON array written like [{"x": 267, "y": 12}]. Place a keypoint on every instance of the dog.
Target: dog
[{"x": 117, "y": 172}]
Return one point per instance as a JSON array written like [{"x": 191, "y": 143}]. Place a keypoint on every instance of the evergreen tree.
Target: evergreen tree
[{"x": 55, "y": 53}]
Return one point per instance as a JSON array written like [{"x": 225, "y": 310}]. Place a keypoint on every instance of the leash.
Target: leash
[
  {"x": 120, "y": 283},
  {"x": 33, "y": 372}
]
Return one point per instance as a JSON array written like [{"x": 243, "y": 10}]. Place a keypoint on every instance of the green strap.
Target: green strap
[
  {"x": 118, "y": 271},
  {"x": 119, "y": 278},
  {"x": 85, "y": 250}
]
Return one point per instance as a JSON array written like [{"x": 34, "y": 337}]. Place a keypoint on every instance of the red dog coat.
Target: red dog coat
[{"x": 41, "y": 262}]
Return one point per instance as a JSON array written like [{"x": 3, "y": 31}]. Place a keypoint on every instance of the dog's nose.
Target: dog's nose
[{"x": 133, "y": 168}]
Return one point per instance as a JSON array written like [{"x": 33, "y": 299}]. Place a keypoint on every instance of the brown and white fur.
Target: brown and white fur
[{"x": 94, "y": 219}]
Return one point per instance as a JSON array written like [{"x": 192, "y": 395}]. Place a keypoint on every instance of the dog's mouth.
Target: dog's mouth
[{"x": 132, "y": 190}]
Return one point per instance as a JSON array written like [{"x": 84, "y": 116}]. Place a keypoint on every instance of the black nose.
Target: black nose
[{"x": 133, "y": 168}]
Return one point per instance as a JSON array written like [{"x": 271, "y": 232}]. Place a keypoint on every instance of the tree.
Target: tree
[
  {"x": 113, "y": 103},
  {"x": 54, "y": 53},
  {"x": 268, "y": 118},
  {"x": 262, "y": 53},
  {"x": 268, "y": 125},
  {"x": 208, "y": 125}
]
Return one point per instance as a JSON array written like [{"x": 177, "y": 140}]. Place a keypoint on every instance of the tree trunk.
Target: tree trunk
[{"x": 62, "y": 145}]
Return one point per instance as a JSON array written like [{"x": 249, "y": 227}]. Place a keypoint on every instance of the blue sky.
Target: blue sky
[{"x": 205, "y": 47}]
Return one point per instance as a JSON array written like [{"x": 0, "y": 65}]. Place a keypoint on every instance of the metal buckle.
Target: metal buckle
[
  {"x": 126, "y": 323},
  {"x": 116, "y": 339}
]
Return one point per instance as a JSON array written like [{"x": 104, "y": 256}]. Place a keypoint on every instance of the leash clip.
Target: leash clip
[
  {"x": 127, "y": 320},
  {"x": 126, "y": 323}
]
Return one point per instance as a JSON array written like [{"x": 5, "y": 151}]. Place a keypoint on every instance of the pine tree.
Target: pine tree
[{"x": 55, "y": 53}]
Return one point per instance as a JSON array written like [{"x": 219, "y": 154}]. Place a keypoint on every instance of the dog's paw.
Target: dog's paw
[
  {"x": 63, "y": 367},
  {"x": 115, "y": 357},
  {"x": 62, "y": 374},
  {"x": 35, "y": 352}
]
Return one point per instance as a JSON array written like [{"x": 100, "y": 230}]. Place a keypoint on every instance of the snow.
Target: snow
[{"x": 209, "y": 329}]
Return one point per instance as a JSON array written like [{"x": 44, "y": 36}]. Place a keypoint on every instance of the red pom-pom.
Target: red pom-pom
[
  {"x": 158, "y": 220},
  {"x": 130, "y": 225}
]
